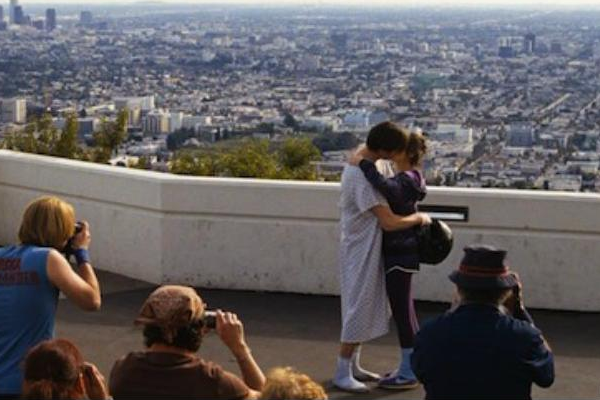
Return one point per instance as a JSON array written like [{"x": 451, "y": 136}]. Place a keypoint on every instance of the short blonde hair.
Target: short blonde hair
[
  {"x": 47, "y": 222},
  {"x": 287, "y": 383}
]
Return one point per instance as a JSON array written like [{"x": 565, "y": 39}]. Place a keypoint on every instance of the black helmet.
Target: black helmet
[{"x": 435, "y": 242}]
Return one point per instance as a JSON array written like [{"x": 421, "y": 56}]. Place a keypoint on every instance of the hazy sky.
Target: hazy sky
[{"x": 561, "y": 3}]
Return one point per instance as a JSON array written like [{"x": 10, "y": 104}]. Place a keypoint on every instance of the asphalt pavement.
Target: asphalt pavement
[{"x": 303, "y": 331}]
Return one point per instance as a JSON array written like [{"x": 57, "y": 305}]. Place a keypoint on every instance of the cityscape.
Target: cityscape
[{"x": 508, "y": 99}]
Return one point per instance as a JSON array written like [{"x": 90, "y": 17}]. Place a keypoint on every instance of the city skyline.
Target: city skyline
[
  {"x": 509, "y": 98},
  {"x": 395, "y": 3}
]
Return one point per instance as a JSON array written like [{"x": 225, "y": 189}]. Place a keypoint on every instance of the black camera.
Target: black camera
[
  {"x": 210, "y": 319},
  {"x": 69, "y": 250}
]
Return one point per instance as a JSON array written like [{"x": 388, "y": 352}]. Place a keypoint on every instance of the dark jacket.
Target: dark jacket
[
  {"x": 477, "y": 352},
  {"x": 402, "y": 193}
]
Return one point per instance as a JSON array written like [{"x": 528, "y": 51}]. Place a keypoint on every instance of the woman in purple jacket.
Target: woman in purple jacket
[{"x": 400, "y": 248}]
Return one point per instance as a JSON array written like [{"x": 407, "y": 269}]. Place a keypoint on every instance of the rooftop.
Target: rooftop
[{"x": 303, "y": 331}]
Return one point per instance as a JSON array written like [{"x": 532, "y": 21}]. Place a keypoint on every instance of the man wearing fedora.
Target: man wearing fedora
[{"x": 487, "y": 347}]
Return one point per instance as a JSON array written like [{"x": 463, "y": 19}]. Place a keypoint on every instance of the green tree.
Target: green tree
[
  {"x": 100, "y": 155},
  {"x": 66, "y": 146},
  {"x": 47, "y": 135},
  {"x": 295, "y": 157},
  {"x": 112, "y": 133},
  {"x": 26, "y": 140},
  {"x": 251, "y": 159},
  {"x": 195, "y": 163}
]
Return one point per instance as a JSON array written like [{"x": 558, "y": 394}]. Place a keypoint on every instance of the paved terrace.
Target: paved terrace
[{"x": 299, "y": 330}]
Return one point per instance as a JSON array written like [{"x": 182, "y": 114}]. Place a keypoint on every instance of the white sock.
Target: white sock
[{"x": 343, "y": 378}]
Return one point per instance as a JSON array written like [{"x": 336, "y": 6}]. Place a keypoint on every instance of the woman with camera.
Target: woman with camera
[{"x": 31, "y": 275}]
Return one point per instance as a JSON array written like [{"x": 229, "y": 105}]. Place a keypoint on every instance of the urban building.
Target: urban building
[
  {"x": 11, "y": 11},
  {"x": 520, "y": 134},
  {"x": 87, "y": 127},
  {"x": 50, "y": 19},
  {"x": 13, "y": 111},
  {"x": 18, "y": 16},
  {"x": 529, "y": 44},
  {"x": 86, "y": 18},
  {"x": 145, "y": 103},
  {"x": 3, "y": 24},
  {"x": 38, "y": 24},
  {"x": 156, "y": 122}
]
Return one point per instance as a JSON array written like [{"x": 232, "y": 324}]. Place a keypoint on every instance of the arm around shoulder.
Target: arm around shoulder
[{"x": 82, "y": 288}]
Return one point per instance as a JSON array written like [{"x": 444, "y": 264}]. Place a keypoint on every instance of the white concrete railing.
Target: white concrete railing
[{"x": 283, "y": 236}]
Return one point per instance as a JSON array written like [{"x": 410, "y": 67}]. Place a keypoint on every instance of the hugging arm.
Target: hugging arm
[
  {"x": 393, "y": 222},
  {"x": 388, "y": 187}
]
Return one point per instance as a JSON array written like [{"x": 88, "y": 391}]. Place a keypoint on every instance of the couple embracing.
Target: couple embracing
[{"x": 378, "y": 252}]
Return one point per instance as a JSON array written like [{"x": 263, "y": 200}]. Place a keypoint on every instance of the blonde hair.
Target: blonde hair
[
  {"x": 47, "y": 222},
  {"x": 287, "y": 383},
  {"x": 416, "y": 148}
]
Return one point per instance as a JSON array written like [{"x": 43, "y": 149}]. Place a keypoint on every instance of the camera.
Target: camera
[
  {"x": 69, "y": 247},
  {"x": 210, "y": 319}
]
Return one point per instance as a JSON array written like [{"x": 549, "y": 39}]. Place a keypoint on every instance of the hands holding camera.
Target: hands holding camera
[
  {"x": 79, "y": 244},
  {"x": 515, "y": 304},
  {"x": 231, "y": 331},
  {"x": 515, "y": 301},
  {"x": 94, "y": 383},
  {"x": 83, "y": 237}
]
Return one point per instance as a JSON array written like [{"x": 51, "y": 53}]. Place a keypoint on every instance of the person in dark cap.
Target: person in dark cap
[
  {"x": 174, "y": 322},
  {"x": 487, "y": 347}
]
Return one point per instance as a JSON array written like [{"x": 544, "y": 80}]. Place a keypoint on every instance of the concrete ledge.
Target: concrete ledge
[{"x": 283, "y": 236}]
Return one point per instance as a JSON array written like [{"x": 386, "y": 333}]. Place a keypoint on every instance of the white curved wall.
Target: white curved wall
[{"x": 283, "y": 236}]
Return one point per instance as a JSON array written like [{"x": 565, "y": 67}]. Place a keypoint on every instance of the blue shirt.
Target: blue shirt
[
  {"x": 477, "y": 352},
  {"x": 27, "y": 308}
]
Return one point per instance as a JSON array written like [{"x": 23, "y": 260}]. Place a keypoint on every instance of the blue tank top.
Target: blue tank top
[{"x": 28, "y": 303}]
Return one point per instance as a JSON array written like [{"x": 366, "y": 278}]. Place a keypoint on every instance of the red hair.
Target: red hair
[{"x": 52, "y": 370}]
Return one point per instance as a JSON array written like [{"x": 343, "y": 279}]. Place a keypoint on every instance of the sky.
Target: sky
[{"x": 503, "y": 3}]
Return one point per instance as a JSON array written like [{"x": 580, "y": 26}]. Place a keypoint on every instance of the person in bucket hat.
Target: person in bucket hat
[{"x": 486, "y": 347}]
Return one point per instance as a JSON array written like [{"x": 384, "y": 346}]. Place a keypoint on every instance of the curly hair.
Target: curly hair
[{"x": 287, "y": 383}]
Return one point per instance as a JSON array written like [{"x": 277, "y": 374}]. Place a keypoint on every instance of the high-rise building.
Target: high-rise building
[
  {"x": 19, "y": 16},
  {"x": 38, "y": 24},
  {"x": 529, "y": 43},
  {"x": 86, "y": 18},
  {"x": 556, "y": 47},
  {"x": 50, "y": 19},
  {"x": 1, "y": 14},
  {"x": 506, "y": 47},
  {"x": 13, "y": 110},
  {"x": 11, "y": 11}
]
